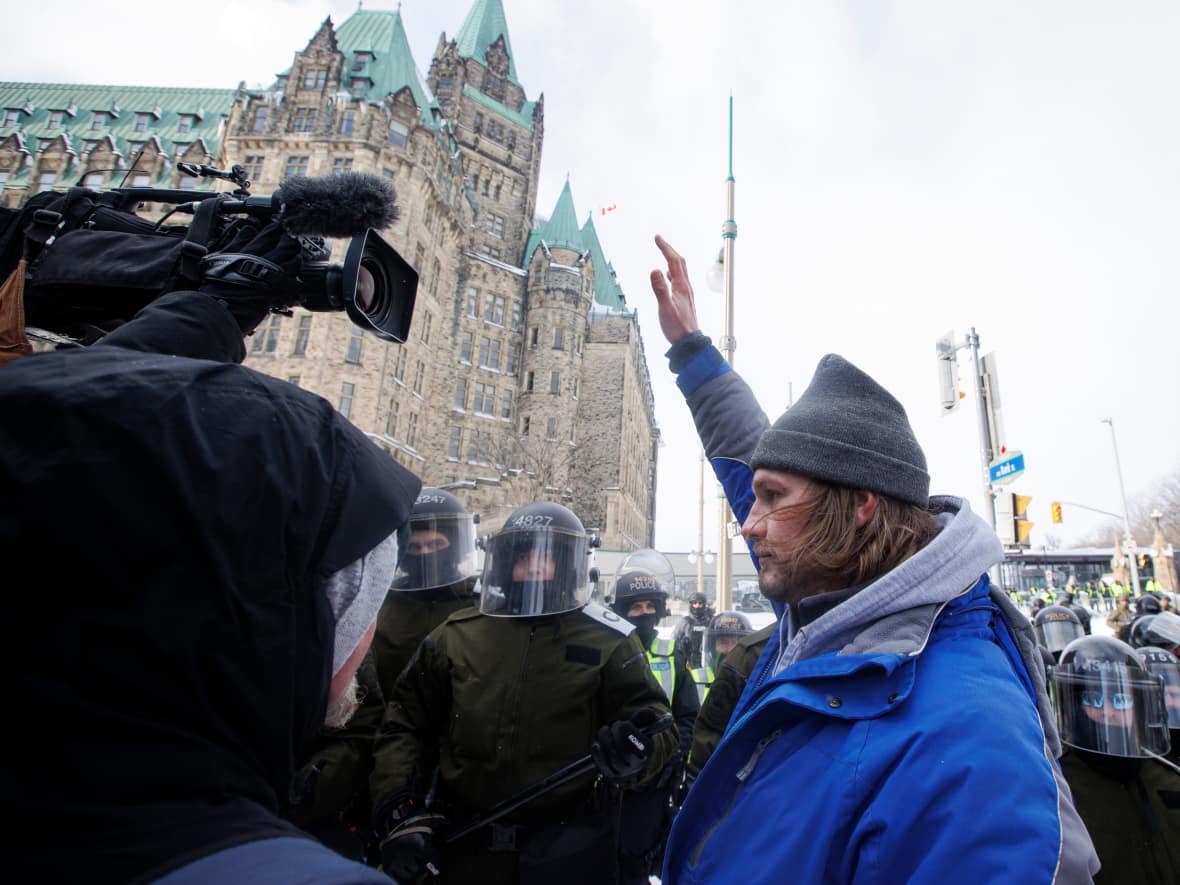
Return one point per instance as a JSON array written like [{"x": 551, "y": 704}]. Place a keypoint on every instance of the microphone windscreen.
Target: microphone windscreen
[{"x": 343, "y": 204}]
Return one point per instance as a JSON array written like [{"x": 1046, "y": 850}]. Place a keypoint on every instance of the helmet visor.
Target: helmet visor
[
  {"x": 435, "y": 550},
  {"x": 1115, "y": 711},
  {"x": 1162, "y": 663},
  {"x": 531, "y": 572},
  {"x": 1056, "y": 634}
]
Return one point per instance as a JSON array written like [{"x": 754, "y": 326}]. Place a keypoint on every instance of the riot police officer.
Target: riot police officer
[
  {"x": 1162, "y": 663},
  {"x": 435, "y": 578},
  {"x": 499, "y": 698},
  {"x": 641, "y": 596},
  {"x": 1113, "y": 720},
  {"x": 691, "y": 631},
  {"x": 721, "y": 637},
  {"x": 1055, "y": 627}
]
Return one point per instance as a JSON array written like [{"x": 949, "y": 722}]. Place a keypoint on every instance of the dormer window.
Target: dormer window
[
  {"x": 359, "y": 87},
  {"x": 55, "y": 119},
  {"x": 100, "y": 120},
  {"x": 316, "y": 78},
  {"x": 184, "y": 123},
  {"x": 11, "y": 117},
  {"x": 44, "y": 143},
  {"x": 142, "y": 122},
  {"x": 398, "y": 134},
  {"x": 361, "y": 60}
]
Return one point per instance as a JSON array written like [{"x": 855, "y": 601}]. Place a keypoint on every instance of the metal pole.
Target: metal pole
[
  {"x": 728, "y": 345},
  {"x": 985, "y": 446},
  {"x": 1130, "y": 548},
  {"x": 701, "y": 528}
]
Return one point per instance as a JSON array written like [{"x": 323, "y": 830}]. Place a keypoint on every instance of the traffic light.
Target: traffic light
[
  {"x": 948, "y": 373},
  {"x": 1021, "y": 525},
  {"x": 1055, "y": 509}
]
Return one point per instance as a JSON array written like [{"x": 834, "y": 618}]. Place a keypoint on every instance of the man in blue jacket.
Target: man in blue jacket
[{"x": 897, "y": 728}]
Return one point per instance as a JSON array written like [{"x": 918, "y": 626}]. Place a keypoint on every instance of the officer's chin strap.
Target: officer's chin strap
[{"x": 1160, "y": 759}]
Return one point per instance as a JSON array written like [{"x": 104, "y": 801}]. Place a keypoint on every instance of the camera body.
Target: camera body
[{"x": 92, "y": 262}]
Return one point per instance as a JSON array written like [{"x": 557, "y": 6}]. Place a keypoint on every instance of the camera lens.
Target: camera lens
[{"x": 366, "y": 289}]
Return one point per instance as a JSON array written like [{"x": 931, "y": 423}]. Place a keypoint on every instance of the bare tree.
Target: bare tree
[
  {"x": 539, "y": 467},
  {"x": 1164, "y": 498}
]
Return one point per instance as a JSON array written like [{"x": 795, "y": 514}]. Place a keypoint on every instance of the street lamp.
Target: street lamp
[{"x": 1130, "y": 548}]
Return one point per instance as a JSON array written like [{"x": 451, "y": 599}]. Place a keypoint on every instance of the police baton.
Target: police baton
[{"x": 575, "y": 769}]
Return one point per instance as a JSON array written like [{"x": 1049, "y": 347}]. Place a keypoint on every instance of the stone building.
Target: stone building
[{"x": 524, "y": 375}]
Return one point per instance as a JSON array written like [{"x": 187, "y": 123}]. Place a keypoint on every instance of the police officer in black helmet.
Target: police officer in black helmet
[
  {"x": 641, "y": 596},
  {"x": 1113, "y": 721},
  {"x": 691, "y": 631},
  {"x": 1055, "y": 627},
  {"x": 436, "y": 576},
  {"x": 497, "y": 699}
]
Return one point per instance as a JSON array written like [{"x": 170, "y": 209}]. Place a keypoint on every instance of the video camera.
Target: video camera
[{"x": 93, "y": 262}]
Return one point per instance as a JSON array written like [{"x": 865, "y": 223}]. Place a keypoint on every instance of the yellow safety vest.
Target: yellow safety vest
[
  {"x": 703, "y": 677},
  {"x": 663, "y": 664}
]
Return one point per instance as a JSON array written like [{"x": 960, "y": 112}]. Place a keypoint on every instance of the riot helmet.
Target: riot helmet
[
  {"x": 1107, "y": 700},
  {"x": 436, "y": 546},
  {"x": 723, "y": 633},
  {"x": 643, "y": 576},
  {"x": 1056, "y": 627},
  {"x": 1147, "y": 604},
  {"x": 1161, "y": 631},
  {"x": 537, "y": 564},
  {"x": 1162, "y": 663},
  {"x": 698, "y": 605}
]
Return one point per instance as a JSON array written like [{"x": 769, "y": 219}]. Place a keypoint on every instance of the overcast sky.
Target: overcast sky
[{"x": 903, "y": 169}]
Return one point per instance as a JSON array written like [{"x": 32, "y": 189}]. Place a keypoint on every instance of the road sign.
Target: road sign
[{"x": 1006, "y": 469}]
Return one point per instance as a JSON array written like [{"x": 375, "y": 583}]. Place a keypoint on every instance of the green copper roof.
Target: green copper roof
[
  {"x": 392, "y": 66},
  {"x": 174, "y": 117},
  {"x": 607, "y": 291},
  {"x": 484, "y": 24},
  {"x": 560, "y": 231}
]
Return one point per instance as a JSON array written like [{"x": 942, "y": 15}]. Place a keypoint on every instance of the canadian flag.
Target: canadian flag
[{"x": 607, "y": 209}]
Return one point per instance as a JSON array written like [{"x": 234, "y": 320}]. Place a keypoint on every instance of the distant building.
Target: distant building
[{"x": 524, "y": 376}]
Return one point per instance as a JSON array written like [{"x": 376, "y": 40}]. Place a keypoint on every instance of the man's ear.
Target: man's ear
[{"x": 866, "y": 506}]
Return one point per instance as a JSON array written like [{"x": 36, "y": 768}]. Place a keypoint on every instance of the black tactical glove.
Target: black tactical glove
[
  {"x": 620, "y": 750},
  {"x": 407, "y": 852},
  {"x": 255, "y": 271}
]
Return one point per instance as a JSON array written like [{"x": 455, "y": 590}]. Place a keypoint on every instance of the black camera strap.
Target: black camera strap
[{"x": 195, "y": 246}]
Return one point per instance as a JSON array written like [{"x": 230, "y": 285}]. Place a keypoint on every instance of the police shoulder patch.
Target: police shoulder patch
[{"x": 606, "y": 616}]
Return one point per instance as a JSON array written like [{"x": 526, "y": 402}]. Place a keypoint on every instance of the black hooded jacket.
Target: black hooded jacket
[{"x": 167, "y": 526}]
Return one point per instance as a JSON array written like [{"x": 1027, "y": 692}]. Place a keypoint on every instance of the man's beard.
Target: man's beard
[
  {"x": 345, "y": 707},
  {"x": 790, "y": 581}
]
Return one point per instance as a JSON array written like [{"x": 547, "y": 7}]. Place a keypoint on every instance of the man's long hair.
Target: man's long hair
[{"x": 832, "y": 550}]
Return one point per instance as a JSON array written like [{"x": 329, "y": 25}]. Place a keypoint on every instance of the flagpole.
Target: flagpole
[{"x": 728, "y": 346}]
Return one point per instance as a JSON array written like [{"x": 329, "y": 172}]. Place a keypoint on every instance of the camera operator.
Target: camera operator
[{"x": 195, "y": 555}]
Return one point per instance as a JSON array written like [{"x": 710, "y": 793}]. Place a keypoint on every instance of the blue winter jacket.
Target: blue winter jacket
[{"x": 904, "y": 735}]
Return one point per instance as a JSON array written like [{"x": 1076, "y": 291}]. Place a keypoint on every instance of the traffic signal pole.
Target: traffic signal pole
[{"x": 987, "y": 445}]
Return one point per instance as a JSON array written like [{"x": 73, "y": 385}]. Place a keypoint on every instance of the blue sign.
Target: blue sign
[{"x": 1007, "y": 469}]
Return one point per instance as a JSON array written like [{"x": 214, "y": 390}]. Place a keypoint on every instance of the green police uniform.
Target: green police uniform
[
  {"x": 723, "y": 695},
  {"x": 499, "y": 703}
]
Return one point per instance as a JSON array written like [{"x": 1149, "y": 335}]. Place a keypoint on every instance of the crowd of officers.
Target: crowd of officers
[
  {"x": 514, "y": 731},
  {"x": 510, "y": 729},
  {"x": 1100, "y": 595}
]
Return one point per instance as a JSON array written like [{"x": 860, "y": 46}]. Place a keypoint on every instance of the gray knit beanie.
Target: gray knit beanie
[{"x": 848, "y": 430}]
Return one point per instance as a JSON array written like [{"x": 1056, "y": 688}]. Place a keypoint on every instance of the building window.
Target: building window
[
  {"x": 495, "y": 223},
  {"x": 348, "y": 122},
  {"x": 55, "y": 118},
  {"x": 489, "y": 353},
  {"x": 506, "y": 403},
  {"x": 524, "y": 425},
  {"x": 427, "y": 320},
  {"x": 551, "y": 428},
  {"x": 461, "y": 393},
  {"x": 142, "y": 121},
  {"x": 398, "y": 134},
  {"x": 11, "y": 118},
  {"x": 185, "y": 123},
  {"x": 419, "y": 374},
  {"x": 45, "y": 181},
  {"x": 492, "y": 251},
  {"x": 301, "y": 336},
  {"x": 465, "y": 348},
  {"x": 342, "y": 164},
  {"x": 252, "y": 166},
  {"x": 455, "y": 444},
  {"x": 355, "y": 342},
  {"x": 493, "y": 309},
  {"x": 260, "y": 115},
  {"x": 399, "y": 367},
  {"x": 359, "y": 87},
  {"x": 534, "y": 333},
  {"x": 346, "y": 398},
  {"x": 293, "y": 380},
  {"x": 266, "y": 340},
  {"x": 295, "y": 166},
  {"x": 514, "y": 323},
  {"x": 100, "y": 120},
  {"x": 513, "y": 360},
  {"x": 478, "y": 446},
  {"x": 315, "y": 78},
  {"x": 391, "y": 420},
  {"x": 577, "y": 387},
  {"x": 496, "y": 192},
  {"x": 528, "y": 382},
  {"x": 484, "y": 402},
  {"x": 477, "y": 122},
  {"x": 304, "y": 120},
  {"x": 94, "y": 180},
  {"x": 578, "y": 344},
  {"x": 559, "y": 338},
  {"x": 412, "y": 429},
  {"x": 554, "y": 382},
  {"x": 473, "y": 302},
  {"x": 573, "y": 426}
]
